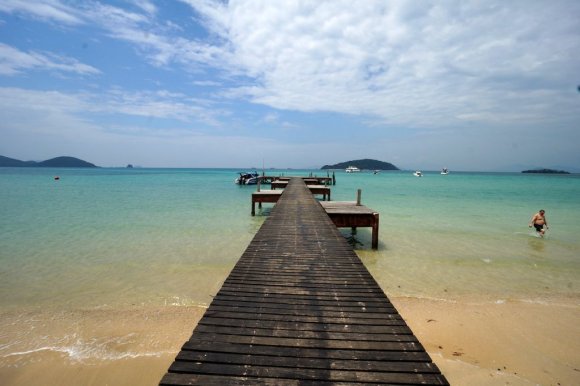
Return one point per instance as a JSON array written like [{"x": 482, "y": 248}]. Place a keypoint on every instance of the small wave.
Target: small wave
[
  {"x": 429, "y": 298},
  {"x": 82, "y": 353},
  {"x": 177, "y": 301},
  {"x": 549, "y": 303}
]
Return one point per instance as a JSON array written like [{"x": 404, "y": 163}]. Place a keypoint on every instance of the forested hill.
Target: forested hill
[
  {"x": 367, "y": 164},
  {"x": 58, "y": 162}
]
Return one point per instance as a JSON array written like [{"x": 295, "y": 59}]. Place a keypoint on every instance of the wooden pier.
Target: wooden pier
[{"x": 300, "y": 308}]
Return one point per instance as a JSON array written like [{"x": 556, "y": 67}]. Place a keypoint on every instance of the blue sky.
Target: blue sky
[{"x": 480, "y": 85}]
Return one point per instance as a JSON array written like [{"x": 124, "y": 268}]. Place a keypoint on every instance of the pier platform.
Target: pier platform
[
  {"x": 346, "y": 214},
  {"x": 313, "y": 180},
  {"x": 300, "y": 308},
  {"x": 262, "y": 196},
  {"x": 272, "y": 196}
]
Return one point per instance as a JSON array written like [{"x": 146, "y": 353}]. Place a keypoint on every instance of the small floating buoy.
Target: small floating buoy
[{"x": 56, "y": 178}]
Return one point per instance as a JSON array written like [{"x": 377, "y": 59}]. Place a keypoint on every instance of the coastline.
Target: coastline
[{"x": 515, "y": 342}]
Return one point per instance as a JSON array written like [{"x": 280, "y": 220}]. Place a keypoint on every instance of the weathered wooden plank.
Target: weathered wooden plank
[
  {"x": 312, "y": 363},
  {"x": 374, "y": 299},
  {"x": 179, "y": 379},
  {"x": 330, "y": 292},
  {"x": 239, "y": 314},
  {"x": 266, "y": 303},
  {"x": 313, "y": 312},
  {"x": 305, "y": 334},
  {"x": 336, "y": 285},
  {"x": 309, "y": 352},
  {"x": 307, "y": 374},
  {"x": 295, "y": 300},
  {"x": 386, "y": 327},
  {"x": 308, "y": 343}
]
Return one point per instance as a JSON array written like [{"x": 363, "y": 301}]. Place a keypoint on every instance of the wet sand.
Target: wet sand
[
  {"x": 513, "y": 343},
  {"x": 95, "y": 347}
]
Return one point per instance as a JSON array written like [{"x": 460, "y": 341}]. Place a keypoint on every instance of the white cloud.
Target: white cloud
[
  {"x": 14, "y": 61},
  {"x": 146, "y": 6},
  {"x": 56, "y": 111},
  {"x": 160, "y": 104},
  {"x": 48, "y": 10},
  {"x": 410, "y": 63}
]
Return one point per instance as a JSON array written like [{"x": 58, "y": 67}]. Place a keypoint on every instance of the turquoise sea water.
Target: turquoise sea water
[{"x": 118, "y": 238}]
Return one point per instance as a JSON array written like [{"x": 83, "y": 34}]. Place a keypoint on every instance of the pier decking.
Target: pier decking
[{"x": 300, "y": 308}]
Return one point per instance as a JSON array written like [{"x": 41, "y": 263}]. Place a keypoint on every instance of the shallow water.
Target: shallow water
[{"x": 84, "y": 251}]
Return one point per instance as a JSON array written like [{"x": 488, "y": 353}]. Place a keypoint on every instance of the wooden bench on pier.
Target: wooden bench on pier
[{"x": 300, "y": 308}]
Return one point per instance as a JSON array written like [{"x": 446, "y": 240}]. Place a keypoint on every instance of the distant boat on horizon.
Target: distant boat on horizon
[
  {"x": 445, "y": 171},
  {"x": 352, "y": 169},
  {"x": 418, "y": 173}
]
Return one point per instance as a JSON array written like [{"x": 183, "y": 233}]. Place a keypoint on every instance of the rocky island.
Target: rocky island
[
  {"x": 58, "y": 162},
  {"x": 546, "y": 171},
  {"x": 363, "y": 164}
]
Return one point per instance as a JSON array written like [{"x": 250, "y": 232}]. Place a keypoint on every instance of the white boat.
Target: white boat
[
  {"x": 352, "y": 169},
  {"x": 445, "y": 171},
  {"x": 418, "y": 174}
]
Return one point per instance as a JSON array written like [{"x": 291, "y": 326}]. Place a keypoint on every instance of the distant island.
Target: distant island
[
  {"x": 546, "y": 171},
  {"x": 367, "y": 164},
  {"x": 58, "y": 162}
]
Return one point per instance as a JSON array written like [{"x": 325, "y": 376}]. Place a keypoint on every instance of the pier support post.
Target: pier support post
[
  {"x": 358, "y": 194},
  {"x": 375, "y": 232}
]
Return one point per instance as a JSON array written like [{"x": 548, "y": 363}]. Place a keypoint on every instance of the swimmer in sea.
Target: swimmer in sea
[{"x": 538, "y": 221}]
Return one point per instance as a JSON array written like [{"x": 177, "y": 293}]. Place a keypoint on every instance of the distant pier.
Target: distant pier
[{"x": 300, "y": 308}]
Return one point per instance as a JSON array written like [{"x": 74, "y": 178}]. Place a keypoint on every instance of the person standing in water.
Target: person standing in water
[{"x": 538, "y": 221}]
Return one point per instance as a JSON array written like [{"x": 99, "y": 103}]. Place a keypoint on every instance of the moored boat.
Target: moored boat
[
  {"x": 247, "y": 178},
  {"x": 352, "y": 169}
]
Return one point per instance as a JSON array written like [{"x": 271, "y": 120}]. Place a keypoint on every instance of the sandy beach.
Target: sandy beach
[
  {"x": 100, "y": 346},
  {"x": 502, "y": 343}
]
